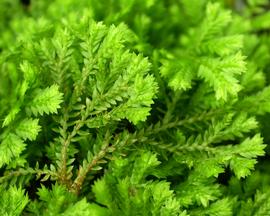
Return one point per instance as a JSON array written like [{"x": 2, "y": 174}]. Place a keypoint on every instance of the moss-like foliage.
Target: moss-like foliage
[{"x": 134, "y": 107}]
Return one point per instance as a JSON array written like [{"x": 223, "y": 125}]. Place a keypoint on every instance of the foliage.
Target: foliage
[{"x": 140, "y": 107}]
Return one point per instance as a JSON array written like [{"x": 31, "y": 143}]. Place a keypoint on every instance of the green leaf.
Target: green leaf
[
  {"x": 223, "y": 46},
  {"x": 46, "y": 101},
  {"x": 11, "y": 147},
  {"x": 242, "y": 167},
  {"x": 179, "y": 73},
  {"x": 102, "y": 192},
  {"x": 82, "y": 208},
  {"x": 12, "y": 201},
  {"x": 257, "y": 104},
  {"x": 243, "y": 156},
  {"x": 142, "y": 167},
  {"x": 28, "y": 71},
  {"x": 252, "y": 147},
  {"x": 53, "y": 201},
  {"x": 11, "y": 116},
  {"x": 215, "y": 20},
  {"x": 28, "y": 129},
  {"x": 197, "y": 190},
  {"x": 221, "y": 74},
  {"x": 222, "y": 207},
  {"x": 261, "y": 22}
]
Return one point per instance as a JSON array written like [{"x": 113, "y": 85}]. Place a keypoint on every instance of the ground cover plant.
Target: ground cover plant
[{"x": 134, "y": 107}]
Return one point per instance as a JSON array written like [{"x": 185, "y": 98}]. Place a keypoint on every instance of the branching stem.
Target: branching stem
[{"x": 84, "y": 170}]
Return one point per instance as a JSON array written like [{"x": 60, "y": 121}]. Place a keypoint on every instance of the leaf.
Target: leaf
[
  {"x": 256, "y": 104},
  {"x": 221, "y": 74},
  {"x": 28, "y": 129},
  {"x": 137, "y": 107},
  {"x": 102, "y": 192},
  {"x": 229, "y": 128},
  {"x": 197, "y": 190},
  {"x": 82, "y": 208},
  {"x": 215, "y": 21},
  {"x": 242, "y": 167},
  {"x": 12, "y": 201},
  {"x": 46, "y": 101},
  {"x": 262, "y": 204},
  {"x": 28, "y": 71},
  {"x": 222, "y": 207},
  {"x": 223, "y": 46},
  {"x": 54, "y": 201},
  {"x": 164, "y": 199},
  {"x": 11, "y": 147},
  {"x": 179, "y": 73},
  {"x": 260, "y": 22},
  {"x": 243, "y": 156},
  {"x": 11, "y": 116},
  {"x": 143, "y": 166},
  {"x": 252, "y": 147}
]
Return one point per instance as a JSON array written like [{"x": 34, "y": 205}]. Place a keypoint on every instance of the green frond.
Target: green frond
[
  {"x": 253, "y": 79},
  {"x": 257, "y": 103},
  {"x": 258, "y": 206},
  {"x": 13, "y": 201},
  {"x": 11, "y": 116},
  {"x": 222, "y": 207},
  {"x": 243, "y": 156},
  {"x": 29, "y": 72},
  {"x": 179, "y": 73},
  {"x": 229, "y": 128},
  {"x": 223, "y": 46},
  {"x": 28, "y": 129},
  {"x": 46, "y": 101},
  {"x": 82, "y": 208},
  {"x": 213, "y": 24},
  {"x": 134, "y": 107},
  {"x": 199, "y": 191},
  {"x": 11, "y": 147},
  {"x": 220, "y": 74},
  {"x": 151, "y": 198}
]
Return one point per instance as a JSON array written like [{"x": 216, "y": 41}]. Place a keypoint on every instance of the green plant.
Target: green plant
[{"x": 134, "y": 107}]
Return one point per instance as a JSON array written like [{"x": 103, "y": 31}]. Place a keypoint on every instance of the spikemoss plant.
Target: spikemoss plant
[{"x": 140, "y": 107}]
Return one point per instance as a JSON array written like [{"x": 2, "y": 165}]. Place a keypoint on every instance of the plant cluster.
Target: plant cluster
[{"x": 134, "y": 107}]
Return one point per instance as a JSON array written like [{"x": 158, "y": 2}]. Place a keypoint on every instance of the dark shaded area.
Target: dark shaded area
[
  {"x": 26, "y": 2},
  {"x": 265, "y": 128},
  {"x": 224, "y": 178},
  {"x": 34, "y": 185},
  {"x": 123, "y": 125}
]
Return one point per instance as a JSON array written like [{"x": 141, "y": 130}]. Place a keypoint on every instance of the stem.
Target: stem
[
  {"x": 84, "y": 170},
  {"x": 64, "y": 177},
  {"x": 24, "y": 172},
  {"x": 178, "y": 123},
  {"x": 171, "y": 106},
  {"x": 133, "y": 138}
]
